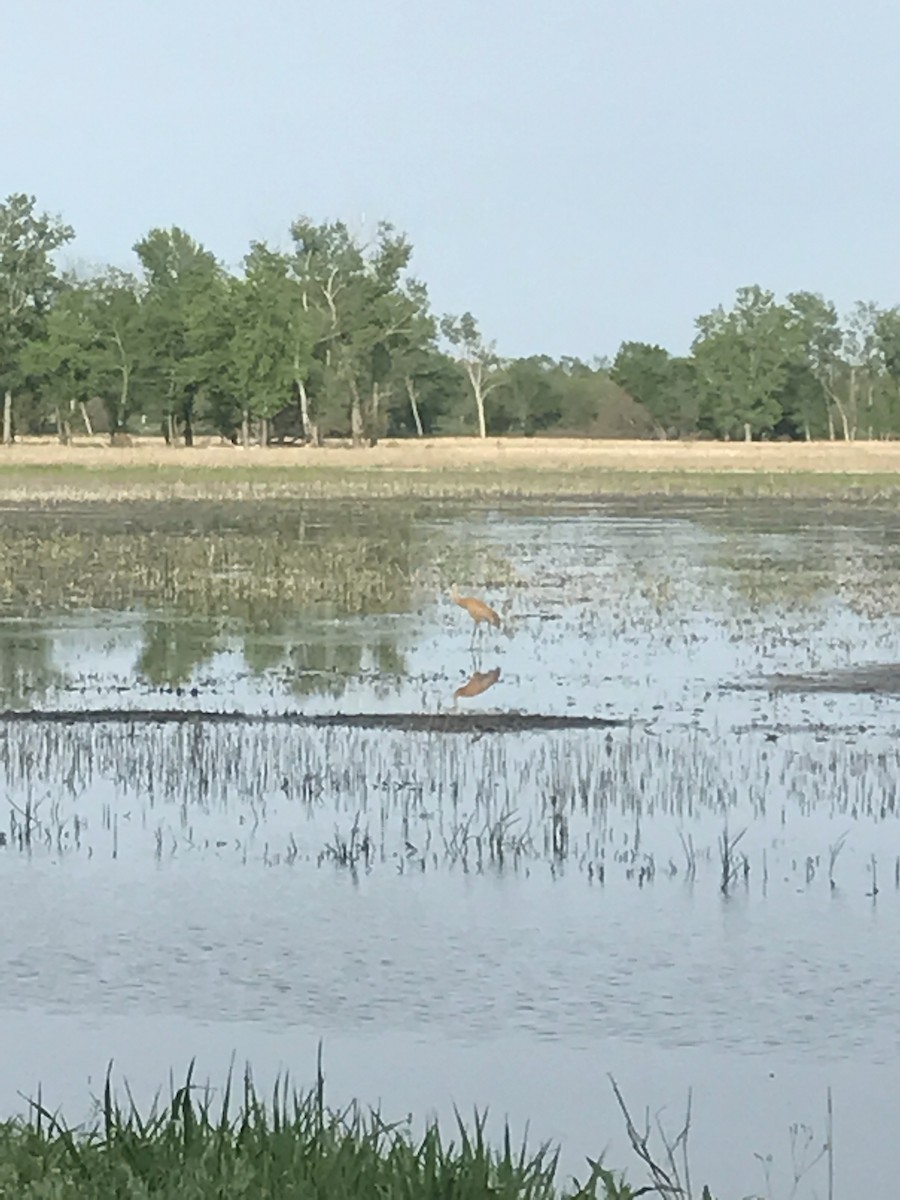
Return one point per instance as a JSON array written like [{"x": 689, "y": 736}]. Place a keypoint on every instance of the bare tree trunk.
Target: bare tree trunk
[
  {"x": 125, "y": 372},
  {"x": 356, "y": 417},
  {"x": 245, "y": 428},
  {"x": 475, "y": 371},
  {"x": 414, "y": 404},
  {"x": 806, "y": 433},
  {"x": 374, "y": 412},
  {"x": 264, "y": 431},
  {"x": 845, "y": 424},
  {"x": 7, "y": 418},
  {"x": 170, "y": 429},
  {"x": 310, "y": 427},
  {"x": 831, "y": 393},
  {"x": 748, "y": 436},
  {"x": 89, "y": 429},
  {"x": 63, "y": 431},
  {"x": 304, "y": 410},
  {"x": 479, "y": 404}
]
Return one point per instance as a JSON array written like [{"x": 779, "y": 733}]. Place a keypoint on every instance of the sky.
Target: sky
[{"x": 576, "y": 173}]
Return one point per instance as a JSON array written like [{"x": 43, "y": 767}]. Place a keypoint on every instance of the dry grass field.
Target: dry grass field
[
  {"x": 43, "y": 471},
  {"x": 471, "y": 453}
]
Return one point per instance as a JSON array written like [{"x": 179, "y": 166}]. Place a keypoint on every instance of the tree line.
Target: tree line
[{"x": 335, "y": 337}]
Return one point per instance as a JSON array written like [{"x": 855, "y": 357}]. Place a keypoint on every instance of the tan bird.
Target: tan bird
[{"x": 477, "y": 609}]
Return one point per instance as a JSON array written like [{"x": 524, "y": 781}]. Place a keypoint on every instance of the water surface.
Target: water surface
[{"x": 497, "y": 919}]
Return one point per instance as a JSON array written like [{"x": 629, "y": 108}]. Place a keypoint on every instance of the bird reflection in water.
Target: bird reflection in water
[{"x": 479, "y": 682}]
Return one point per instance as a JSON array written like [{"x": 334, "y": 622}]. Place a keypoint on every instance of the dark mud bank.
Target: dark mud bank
[{"x": 511, "y": 722}]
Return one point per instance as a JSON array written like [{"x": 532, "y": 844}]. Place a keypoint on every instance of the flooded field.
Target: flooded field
[{"x": 267, "y": 784}]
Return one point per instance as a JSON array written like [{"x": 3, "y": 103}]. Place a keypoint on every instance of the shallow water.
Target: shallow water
[{"x": 497, "y": 919}]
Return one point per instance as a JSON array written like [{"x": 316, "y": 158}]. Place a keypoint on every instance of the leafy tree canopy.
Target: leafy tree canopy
[{"x": 333, "y": 335}]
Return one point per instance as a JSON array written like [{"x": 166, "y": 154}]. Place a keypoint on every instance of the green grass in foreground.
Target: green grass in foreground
[
  {"x": 72, "y": 482},
  {"x": 292, "y": 1146}
]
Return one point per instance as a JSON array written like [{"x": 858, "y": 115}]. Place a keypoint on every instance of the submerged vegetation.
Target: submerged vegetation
[
  {"x": 257, "y": 561},
  {"x": 611, "y": 807}
]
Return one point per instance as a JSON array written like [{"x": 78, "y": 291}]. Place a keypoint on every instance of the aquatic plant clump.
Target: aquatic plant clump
[
  {"x": 198, "y": 1146},
  {"x": 223, "y": 560}
]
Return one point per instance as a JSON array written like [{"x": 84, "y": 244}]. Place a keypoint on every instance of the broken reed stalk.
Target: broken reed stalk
[
  {"x": 673, "y": 1182},
  {"x": 730, "y": 866}
]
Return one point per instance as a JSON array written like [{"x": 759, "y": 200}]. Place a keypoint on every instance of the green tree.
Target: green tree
[
  {"x": 848, "y": 362},
  {"x": 417, "y": 363},
  {"x": 416, "y": 366},
  {"x": 325, "y": 259},
  {"x": 887, "y": 332},
  {"x": 181, "y": 281},
  {"x": 643, "y": 370},
  {"x": 28, "y": 283},
  {"x": 815, "y": 322},
  {"x": 530, "y": 396},
  {"x": 378, "y": 317},
  {"x": 871, "y": 386},
  {"x": 120, "y": 357},
  {"x": 667, "y": 387},
  {"x": 477, "y": 358},
  {"x": 398, "y": 330},
  {"x": 364, "y": 310},
  {"x": 267, "y": 354},
  {"x": 743, "y": 359},
  {"x": 804, "y": 406},
  {"x": 887, "y": 339},
  {"x": 93, "y": 344},
  {"x": 61, "y": 360},
  {"x": 683, "y": 392},
  {"x": 436, "y": 389}
]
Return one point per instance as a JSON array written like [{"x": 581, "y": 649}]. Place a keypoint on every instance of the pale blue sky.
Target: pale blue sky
[{"x": 575, "y": 172}]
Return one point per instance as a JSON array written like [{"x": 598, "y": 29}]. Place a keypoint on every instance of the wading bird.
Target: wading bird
[{"x": 477, "y": 609}]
